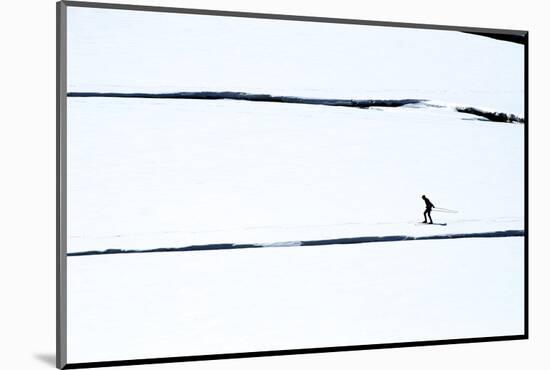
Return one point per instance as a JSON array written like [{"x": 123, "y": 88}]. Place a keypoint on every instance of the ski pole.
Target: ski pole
[{"x": 445, "y": 210}]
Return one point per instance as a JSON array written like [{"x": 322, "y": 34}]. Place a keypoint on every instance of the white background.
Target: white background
[{"x": 27, "y": 189}]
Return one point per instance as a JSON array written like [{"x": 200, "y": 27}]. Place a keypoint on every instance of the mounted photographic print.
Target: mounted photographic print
[{"x": 237, "y": 184}]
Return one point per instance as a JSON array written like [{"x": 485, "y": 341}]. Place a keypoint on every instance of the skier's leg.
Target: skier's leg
[
  {"x": 425, "y": 220},
  {"x": 430, "y": 216}
]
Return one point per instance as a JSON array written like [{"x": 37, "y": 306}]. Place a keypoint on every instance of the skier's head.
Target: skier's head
[{"x": 423, "y": 197}]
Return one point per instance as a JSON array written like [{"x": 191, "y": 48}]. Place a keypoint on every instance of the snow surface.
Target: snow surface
[
  {"x": 145, "y": 173},
  {"x": 129, "y": 51},
  {"x": 178, "y": 304}
]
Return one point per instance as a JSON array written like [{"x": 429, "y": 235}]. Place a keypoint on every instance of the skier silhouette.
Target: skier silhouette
[{"x": 428, "y": 211}]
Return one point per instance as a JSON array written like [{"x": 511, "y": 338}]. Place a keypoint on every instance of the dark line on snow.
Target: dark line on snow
[
  {"x": 233, "y": 95},
  {"x": 355, "y": 240},
  {"x": 350, "y": 103},
  {"x": 491, "y": 116}
]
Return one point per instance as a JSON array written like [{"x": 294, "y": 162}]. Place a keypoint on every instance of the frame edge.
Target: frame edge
[
  {"x": 61, "y": 184},
  {"x": 288, "y": 17}
]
